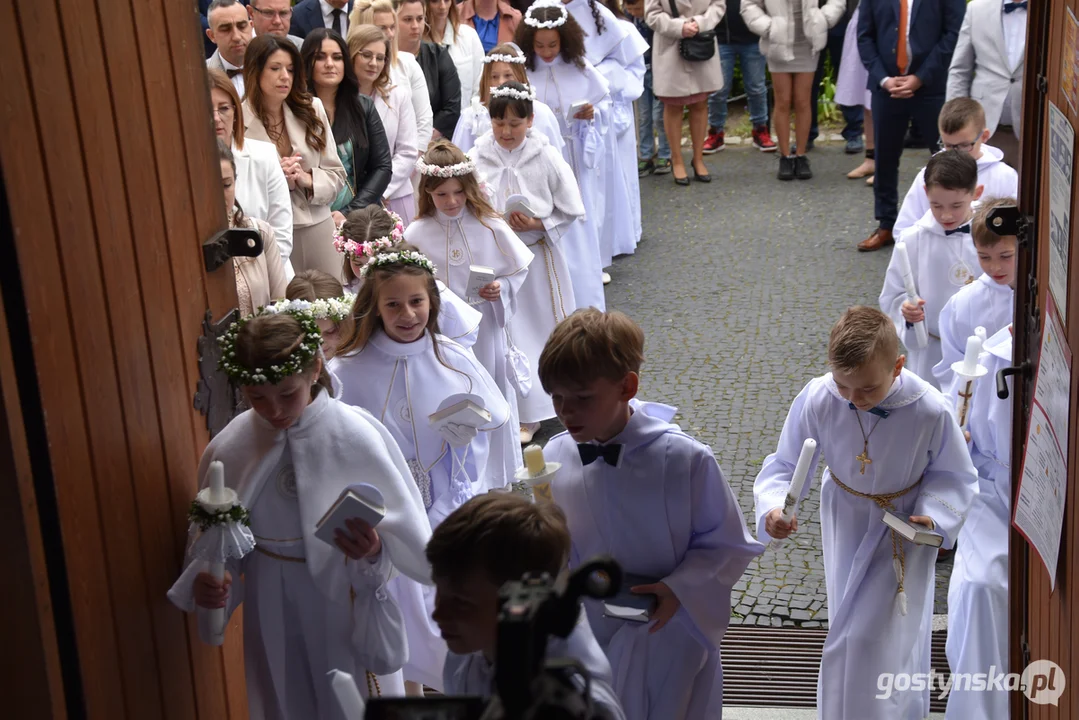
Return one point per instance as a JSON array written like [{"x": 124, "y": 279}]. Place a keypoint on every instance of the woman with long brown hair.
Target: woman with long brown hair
[{"x": 279, "y": 109}]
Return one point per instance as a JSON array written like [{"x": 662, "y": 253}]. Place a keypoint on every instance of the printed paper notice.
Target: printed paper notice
[
  {"x": 1069, "y": 59},
  {"x": 1052, "y": 387},
  {"x": 1039, "y": 507},
  {"x": 1061, "y": 147}
]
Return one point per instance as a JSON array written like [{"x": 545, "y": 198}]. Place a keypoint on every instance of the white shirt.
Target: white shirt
[
  {"x": 1015, "y": 35},
  {"x": 238, "y": 79},
  {"x": 327, "y": 16}
]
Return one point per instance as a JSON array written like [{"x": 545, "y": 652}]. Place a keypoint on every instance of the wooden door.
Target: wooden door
[
  {"x": 111, "y": 185},
  {"x": 1045, "y": 621}
]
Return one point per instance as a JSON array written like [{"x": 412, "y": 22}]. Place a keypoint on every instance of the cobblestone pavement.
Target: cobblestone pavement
[{"x": 736, "y": 285}]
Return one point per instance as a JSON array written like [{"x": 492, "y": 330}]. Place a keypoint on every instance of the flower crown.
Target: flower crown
[
  {"x": 547, "y": 24},
  {"x": 511, "y": 59},
  {"x": 529, "y": 93},
  {"x": 446, "y": 171},
  {"x": 301, "y": 357},
  {"x": 370, "y": 247},
  {"x": 406, "y": 257},
  {"x": 335, "y": 309}
]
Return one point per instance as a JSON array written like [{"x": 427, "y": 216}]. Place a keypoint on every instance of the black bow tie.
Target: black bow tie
[
  {"x": 234, "y": 73},
  {"x": 1010, "y": 7},
  {"x": 589, "y": 453},
  {"x": 879, "y": 412},
  {"x": 960, "y": 229}
]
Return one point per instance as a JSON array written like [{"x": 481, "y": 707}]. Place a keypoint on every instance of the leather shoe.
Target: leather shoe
[
  {"x": 701, "y": 177},
  {"x": 681, "y": 180},
  {"x": 880, "y": 238}
]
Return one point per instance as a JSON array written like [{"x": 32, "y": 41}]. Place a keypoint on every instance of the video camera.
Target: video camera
[{"x": 528, "y": 686}]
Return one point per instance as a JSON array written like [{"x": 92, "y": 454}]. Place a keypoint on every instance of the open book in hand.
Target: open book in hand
[
  {"x": 361, "y": 501},
  {"x": 629, "y": 606},
  {"x": 915, "y": 532},
  {"x": 518, "y": 203}
]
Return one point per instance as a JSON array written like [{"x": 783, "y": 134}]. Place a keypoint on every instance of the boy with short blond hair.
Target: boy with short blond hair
[
  {"x": 891, "y": 443},
  {"x": 962, "y": 127},
  {"x": 634, "y": 486},
  {"x": 978, "y": 590},
  {"x": 490, "y": 540},
  {"x": 941, "y": 253}
]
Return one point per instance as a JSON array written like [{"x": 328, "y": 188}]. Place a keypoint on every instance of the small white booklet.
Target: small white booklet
[
  {"x": 518, "y": 203},
  {"x": 461, "y": 409},
  {"x": 915, "y": 532},
  {"x": 629, "y": 606},
  {"x": 577, "y": 107},
  {"x": 479, "y": 276},
  {"x": 361, "y": 501}
]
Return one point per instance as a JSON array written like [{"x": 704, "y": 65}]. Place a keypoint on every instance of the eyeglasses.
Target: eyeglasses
[
  {"x": 368, "y": 56},
  {"x": 269, "y": 14},
  {"x": 223, "y": 111},
  {"x": 962, "y": 147}
]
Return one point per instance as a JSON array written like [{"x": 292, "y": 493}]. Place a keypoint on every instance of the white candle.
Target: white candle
[
  {"x": 981, "y": 333},
  {"x": 217, "y": 482},
  {"x": 970, "y": 359},
  {"x": 348, "y": 695},
  {"x": 921, "y": 332},
  {"x": 533, "y": 457},
  {"x": 801, "y": 473}
]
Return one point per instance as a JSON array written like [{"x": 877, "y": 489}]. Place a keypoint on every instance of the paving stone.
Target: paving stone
[{"x": 801, "y": 615}]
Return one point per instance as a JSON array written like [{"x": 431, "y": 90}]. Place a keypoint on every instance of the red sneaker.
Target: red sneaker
[
  {"x": 762, "y": 139},
  {"x": 714, "y": 143}
]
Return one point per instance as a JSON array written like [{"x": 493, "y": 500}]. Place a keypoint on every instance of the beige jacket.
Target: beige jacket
[
  {"x": 260, "y": 280},
  {"x": 671, "y": 75},
  {"x": 308, "y": 207},
  {"x": 773, "y": 20}
]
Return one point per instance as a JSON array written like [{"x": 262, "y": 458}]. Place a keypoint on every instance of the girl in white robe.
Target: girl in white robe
[
  {"x": 503, "y": 64},
  {"x": 905, "y": 449},
  {"x": 310, "y": 607},
  {"x": 519, "y": 161},
  {"x": 402, "y": 378},
  {"x": 457, "y": 228},
  {"x": 578, "y": 93},
  {"x": 941, "y": 265}
]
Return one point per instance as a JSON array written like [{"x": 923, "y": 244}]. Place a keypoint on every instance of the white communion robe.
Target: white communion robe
[
  {"x": 537, "y": 171},
  {"x": 476, "y": 120},
  {"x": 984, "y": 303},
  {"x": 665, "y": 511},
  {"x": 978, "y": 590},
  {"x": 998, "y": 179},
  {"x": 867, "y": 635},
  {"x": 560, "y": 84},
  {"x": 402, "y": 384},
  {"x": 941, "y": 265},
  {"x": 453, "y": 244},
  {"x": 309, "y": 609},
  {"x": 472, "y": 675}
]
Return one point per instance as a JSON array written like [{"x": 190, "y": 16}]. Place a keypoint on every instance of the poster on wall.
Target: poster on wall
[
  {"x": 1061, "y": 149},
  {"x": 1069, "y": 59}
]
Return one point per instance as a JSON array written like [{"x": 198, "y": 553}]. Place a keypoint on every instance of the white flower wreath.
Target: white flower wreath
[
  {"x": 547, "y": 24},
  {"x": 407, "y": 257},
  {"x": 335, "y": 309},
  {"x": 529, "y": 93},
  {"x": 446, "y": 171},
  {"x": 294, "y": 364},
  {"x": 511, "y": 59}
]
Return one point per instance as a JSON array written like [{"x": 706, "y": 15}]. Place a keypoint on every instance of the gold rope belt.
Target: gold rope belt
[
  {"x": 276, "y": 556},
  {"x": 884, "y": 502}
]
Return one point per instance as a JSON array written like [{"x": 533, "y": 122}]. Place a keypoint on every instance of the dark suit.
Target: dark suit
[
  {"x": 443, "y": 86},
  {"x": 934, "y": 29},
  {"x": 307, "y": 15}
]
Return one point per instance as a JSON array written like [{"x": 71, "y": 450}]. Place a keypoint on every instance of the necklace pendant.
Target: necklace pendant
[{"x": 864, "y": 459}]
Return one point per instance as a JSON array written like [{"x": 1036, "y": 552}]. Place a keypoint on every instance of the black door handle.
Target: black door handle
[
  {"x": 234, "y": 242},
  {"x": 1022, "y": 369}
]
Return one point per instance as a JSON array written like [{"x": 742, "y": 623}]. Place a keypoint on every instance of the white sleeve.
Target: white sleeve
[
  {"x": 405, "y": 150},
  {"x": 952, "y": 346},
  {"x": 961, "y": 71},
  {"x": 279, "y": 214},
  {"x": 421, "y": 103},
  {"x": 915, "y": 205}
]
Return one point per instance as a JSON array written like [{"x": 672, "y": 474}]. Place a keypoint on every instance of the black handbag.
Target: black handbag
[{"x": 698, "y": 48}]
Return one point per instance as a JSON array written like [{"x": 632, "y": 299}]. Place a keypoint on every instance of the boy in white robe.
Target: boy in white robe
[
  {"x": 515, "y": 160},
  {"x": 962, "y": 127},
  {"x": 309, "y": 607},
  {"x": 978, "y": 591},
  {"x": 489, "y": 541},
  {"x": 891, "y": 442},
  {"x": 637, "y": 488},
  {"x": 942, "y": 257}
]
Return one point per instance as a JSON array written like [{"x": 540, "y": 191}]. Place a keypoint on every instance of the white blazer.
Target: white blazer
[
  {"x": 980, "y": 67},
  {"x": 399, "y": 121},
  {"x": 262, "y": 191},
  {"x": 409, "y": 75},
  {"x": 467, "y": 54}
]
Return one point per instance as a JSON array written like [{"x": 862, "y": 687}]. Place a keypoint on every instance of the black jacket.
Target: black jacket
[
  {"x": 732, "y": 30},
  {"x": 443, "y": 86},
  {"x": 372, "y": 164}
]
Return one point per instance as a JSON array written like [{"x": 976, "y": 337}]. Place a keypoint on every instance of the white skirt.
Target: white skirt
[{"x": 850, "y": 87}]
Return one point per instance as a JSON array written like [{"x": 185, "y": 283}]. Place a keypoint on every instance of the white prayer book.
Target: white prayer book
[
  {"x": 914, "y": 532},
  {"x": 361, "y": 501},
  {"x": 577, "y": 107},
  {"x": 465, "y": 412},
  {"x": 629, "y": 606},
  {"x": 478, "y": 277},
  {"x": 518, "y": 203}
]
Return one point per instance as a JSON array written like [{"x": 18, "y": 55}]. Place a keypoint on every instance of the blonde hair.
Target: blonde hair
[
  {"x": 444, "y": 153},
  {"x": 363, "y": 13},
  {"x": 453, "y": 20},
  {"x": 980, "y": 232},
  {"x": 365, "y": 225},
  {"x": 311, "y": 285},
  {"x": 519, "y": 73},
  {"x": 959, "y": 112},
  {"x": 360, "y": 37},
  {"x": 589, "y": 345},
  {"x": 268, "y": 340},
  {"x": 220, "y": 81},
  {"x": 860, "y": 336}
]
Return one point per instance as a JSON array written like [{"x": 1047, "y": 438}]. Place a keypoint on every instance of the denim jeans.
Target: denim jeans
[
  {"x": 753, "y": 66},
  {"x": 853, "y": 115},
  {"x": 649, "y": 117}
]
